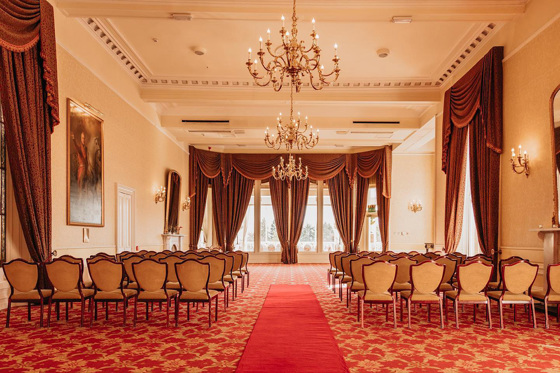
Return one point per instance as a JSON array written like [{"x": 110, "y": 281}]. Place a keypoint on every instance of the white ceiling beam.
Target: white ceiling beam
[{"x": 333, "y": 10}]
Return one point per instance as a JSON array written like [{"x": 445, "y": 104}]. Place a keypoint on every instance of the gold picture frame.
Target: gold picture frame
[{"x": 85, "y": 168}]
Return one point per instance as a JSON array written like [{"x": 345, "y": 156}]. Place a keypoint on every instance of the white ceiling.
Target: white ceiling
[{"x": 405, "y": 87}]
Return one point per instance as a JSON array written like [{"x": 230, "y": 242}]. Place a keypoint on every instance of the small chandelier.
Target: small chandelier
[
  {"x": 292, "y": 60},
  {"x": 520, "y": 163},
  {"x": 289, "y": 171},
  {"x": 292, "y": 133}
]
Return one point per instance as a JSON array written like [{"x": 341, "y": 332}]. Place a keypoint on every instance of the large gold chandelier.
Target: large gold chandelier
[
  {"x": 292, "y": 59},
  {"x": 293, "y": 133},
  {"x": 289, "y": 171}
]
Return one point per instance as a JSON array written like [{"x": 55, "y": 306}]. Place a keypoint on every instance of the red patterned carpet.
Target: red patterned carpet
[{"x": 192, "y": 347}]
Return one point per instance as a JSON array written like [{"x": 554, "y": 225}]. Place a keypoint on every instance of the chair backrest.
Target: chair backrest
[
  {"x": 432, "y": 255},
  {"x": 170, "y": 261},
  {"x": 217, "y": 268},
  {"x": 474, "y": 277},
  {"x": 149, "y": 274},
  {"x": 401, "y": 255},
  {"x": 237, "y": 261},
  {"x": 426, "y": 277},
  {"x": 481, "y": 259},
  {"x": 141, "y": 252},
  {"x": 71, "y": 259},
  {"x": 159, "y": 256},
  {"x": 458, "y": 258},
  {"x": 21, "y": 274},
  {"x": 338, "y": 261},
  {"x": 346, "y": 263},
  {"x": 379, "y": 277},
  {"x": 205, "y": 253},
  {"x": 553, "y": 277},
  {"x": 331, "y": 260},
  {"x": 412, "y": 253},
  {"x": 374, "y": 254},
  {"x": 128, "y": 262},
  {"x": 356, "y": 268},
  {"x": 420, "y": 258},
  {"x": 215, "y": 251},
  {"x": 122, "y": 256},
  {"x": 193, "y": 274},
  {"x": 385, "y": 257},
  {"x": 148, "y": 254},
  {"x": 106, "y": 274},
  {"x": 177, "y": 253},
  {"x": 63, "y": 275},
  {"x": 403, "y": 269},
  {"x": 229, "y": 263},
  {"x": 519, "y": 277},
  {"x": 450, "y": 267},
  {"x": 166, "y": 251},
  {"x": 510, "y": 260},
  {"x": 245, "y": 260}
]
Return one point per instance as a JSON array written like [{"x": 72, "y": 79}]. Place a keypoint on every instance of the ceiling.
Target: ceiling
[{"x": 404, "y": 88}]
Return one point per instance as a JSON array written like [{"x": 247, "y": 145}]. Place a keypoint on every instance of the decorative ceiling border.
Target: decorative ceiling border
[{"x": 116, "y": 45}]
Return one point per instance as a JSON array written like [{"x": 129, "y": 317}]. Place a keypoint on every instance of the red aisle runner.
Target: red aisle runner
[{"x": 291, "y": 335}]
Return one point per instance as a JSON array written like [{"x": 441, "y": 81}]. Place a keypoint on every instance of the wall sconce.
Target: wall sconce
[
  {"x": 160, "y": 194},
  {"x": 186, "y": 204},
  {"x": 415, "y": 206},
  {"x": 520, "y": 163}
]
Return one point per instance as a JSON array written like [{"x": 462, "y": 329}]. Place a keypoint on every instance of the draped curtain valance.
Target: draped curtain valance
[{"x": 320, "y": 166}]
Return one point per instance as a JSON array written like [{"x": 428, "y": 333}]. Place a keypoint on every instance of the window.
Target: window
[
  {"x": 268, "y": 234},
  {"x": 372, "y": 222},
  {"x": 205, "y": 239},
  {"x": 331, "y": 237},
  {"x": 468, "y": 244},
  {"x": 308, "y": 239},
  {"x": 245, "y": 240}
]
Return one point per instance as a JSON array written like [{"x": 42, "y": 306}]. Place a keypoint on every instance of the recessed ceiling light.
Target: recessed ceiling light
[
  {"x": 383, "y": 52},
  {"x": 199, "y": 51},
  {"x": 402, "y": 19}
]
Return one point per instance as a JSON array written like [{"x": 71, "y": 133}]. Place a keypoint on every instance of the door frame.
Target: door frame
[{"x": 132, "y": 193}]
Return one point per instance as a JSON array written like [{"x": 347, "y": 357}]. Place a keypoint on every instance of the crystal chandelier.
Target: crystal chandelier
[
  {"x": 289, "y": 171},
  {"x": 293, "y": 133},
  {"x": 292, "y": 59}
]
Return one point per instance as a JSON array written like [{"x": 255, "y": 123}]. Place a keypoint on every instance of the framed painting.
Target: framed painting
[{"x": 85, "y": 169}]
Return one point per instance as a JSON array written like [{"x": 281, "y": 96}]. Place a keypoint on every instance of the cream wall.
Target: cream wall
[{"x": 413, "y": 178}]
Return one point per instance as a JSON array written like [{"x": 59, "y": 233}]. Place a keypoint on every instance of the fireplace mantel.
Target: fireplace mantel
[
  {"x": 551, "y": 243},
  {"x": 173, "y": 242}
]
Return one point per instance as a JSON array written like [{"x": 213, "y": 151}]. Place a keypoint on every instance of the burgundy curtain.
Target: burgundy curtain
[
  {"x": 198, "y": 204},
  {"x": 340, "y": 192},
  {"x": 280, "y": 207},
  {"x": 362, "y": 186},
  {"x": 29, "y": 96},
  {"x": 229, "y": 206},
  {"x": 476, "y": 101},
  {"x": 299, "y": 194}
]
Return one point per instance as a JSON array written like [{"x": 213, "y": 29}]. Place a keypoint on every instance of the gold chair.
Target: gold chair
[
  {"x": 72, "y": 259},
  {"x": 229, "y": 277},
  {"x": 402, "y": 281},
  {"x": 472, "y": 281},
  {"x": 420, "y": 258},
  {"x": 172, "y": 280},
  {"x": 217, "y": 273},
  {"x": 23, "y": 277},
  {"x": 107, "y": 276},
  {"x": 338, "y": 268},
  {"x": 151, "y": 277},
  {"x": 128, "y": 262},
  {"x": 346, "y": 278},
  {"x": 379, "y": 277},
  {"x": 425, "y": 279},
  {"x": 450, "y": 267},
  {"x": 518, "y": 279},
  {"x": 412, "y": 253},
  {"x": 244, "y": 268},
  {"x": 66, "y": 286},
  {"x": 331, "y": 271},
  {"x": 194, "y": 277},
  {"x": 237, "y": 268},
  {"x": 159, "y": 256},
  {"x": 552, "y": 294},
  {"x": 432, "y": 255},
  {"x": 497, "y": 285},
  {"x": 357, "y": 279},
  {"x": 385, "y": 257}
]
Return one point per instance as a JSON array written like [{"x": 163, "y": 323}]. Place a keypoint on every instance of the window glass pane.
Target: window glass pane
[
  {"x": 308, "y": 239},
  {"x": 331, "y": 237},
  {"x": 205, "y": 239},
  {"x": 245, "y": 239},
  {"x": 268, "y": 234},
  {"x": 372, "y": 221}
]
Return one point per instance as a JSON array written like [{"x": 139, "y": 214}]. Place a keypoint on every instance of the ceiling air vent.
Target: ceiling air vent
[
  {"x": 377, "y": 122},
  {"x": 195, "y": 121}
]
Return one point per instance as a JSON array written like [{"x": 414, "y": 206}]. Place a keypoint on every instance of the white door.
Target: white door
[{"x": 125, "y": 218}]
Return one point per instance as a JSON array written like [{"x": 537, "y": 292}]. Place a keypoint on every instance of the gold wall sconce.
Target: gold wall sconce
[
  {"x": 520, "y": 162},
  {"x": 415, "y": 206},
  {"x": 186, "y": 204},
  {"x": 160, "y": 194}
]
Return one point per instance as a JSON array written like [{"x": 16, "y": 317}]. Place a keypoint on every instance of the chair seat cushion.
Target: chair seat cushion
[
  {"x": 372, "y": 297},
  {"x": 496, "y": 285},
  {"x": 399, "y": 286},
  {"x": 346, "y": 279},
  {"x": 72, "y": 295},
  {"x": 446, "y": 287},
  {"x": 509, "y": 297},
  {"x": 115, "y": 294},
  {"x": 156, "y": 295},
  {"x": 466, "y": 297},
  {"x": 332, "y": 271},
  {"x": 218, "y": 285},
  {"x": 31, "y": 295},
  {"x": 173, "y": 285},
  {"x": 198, "y": 295},
  {"x": 420, "y": 297},
  {"x": 238, "y": 273},
  {"x": 541, "y": 294},
  {"x": 228, "y": 278},
  {"x": 357, "y": 286}
]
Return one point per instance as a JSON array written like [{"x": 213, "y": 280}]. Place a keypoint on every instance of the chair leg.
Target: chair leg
[
  {"x": 82, "y": 307},
  {"x": 9, "y": 309},
  {"x": 135, "y": 311},
  {"x": 167, "y": 312},
  {"x": 456, "y": 307},
  {"x": 362, "y": 311},
  {"x": 66, "y": 315},
  {"x": 48, "y": 313},
  {"x": 148, "y": 309},
  {"x": 546, "y": 313},
  {"x": 125, "y": 304},
  {"x": 41, "y": 314},
  {"x": 394, "y": 313},
  {"x": 216, "y": 306},
  {"x": 489, "y": 312},
  {"x": 57, "y": 306},
  {"x": 210, "y": 313},
  {"x": 386, "y": 313},
  {"x": 402, "y": 306},
  {"x": 95, "y": 306},
  {"x": 28, "y": 311},
  {"x": 408, "y": 304},
  {"x": 501, "y": 314},
  {"x": 441, "y": 313},
  {"x": 534, "y": 315}
]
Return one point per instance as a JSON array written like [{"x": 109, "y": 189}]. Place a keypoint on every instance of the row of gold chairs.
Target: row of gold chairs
[
  {"x": 145, "y": 280},
  {"x": 439, "y": 280}
]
